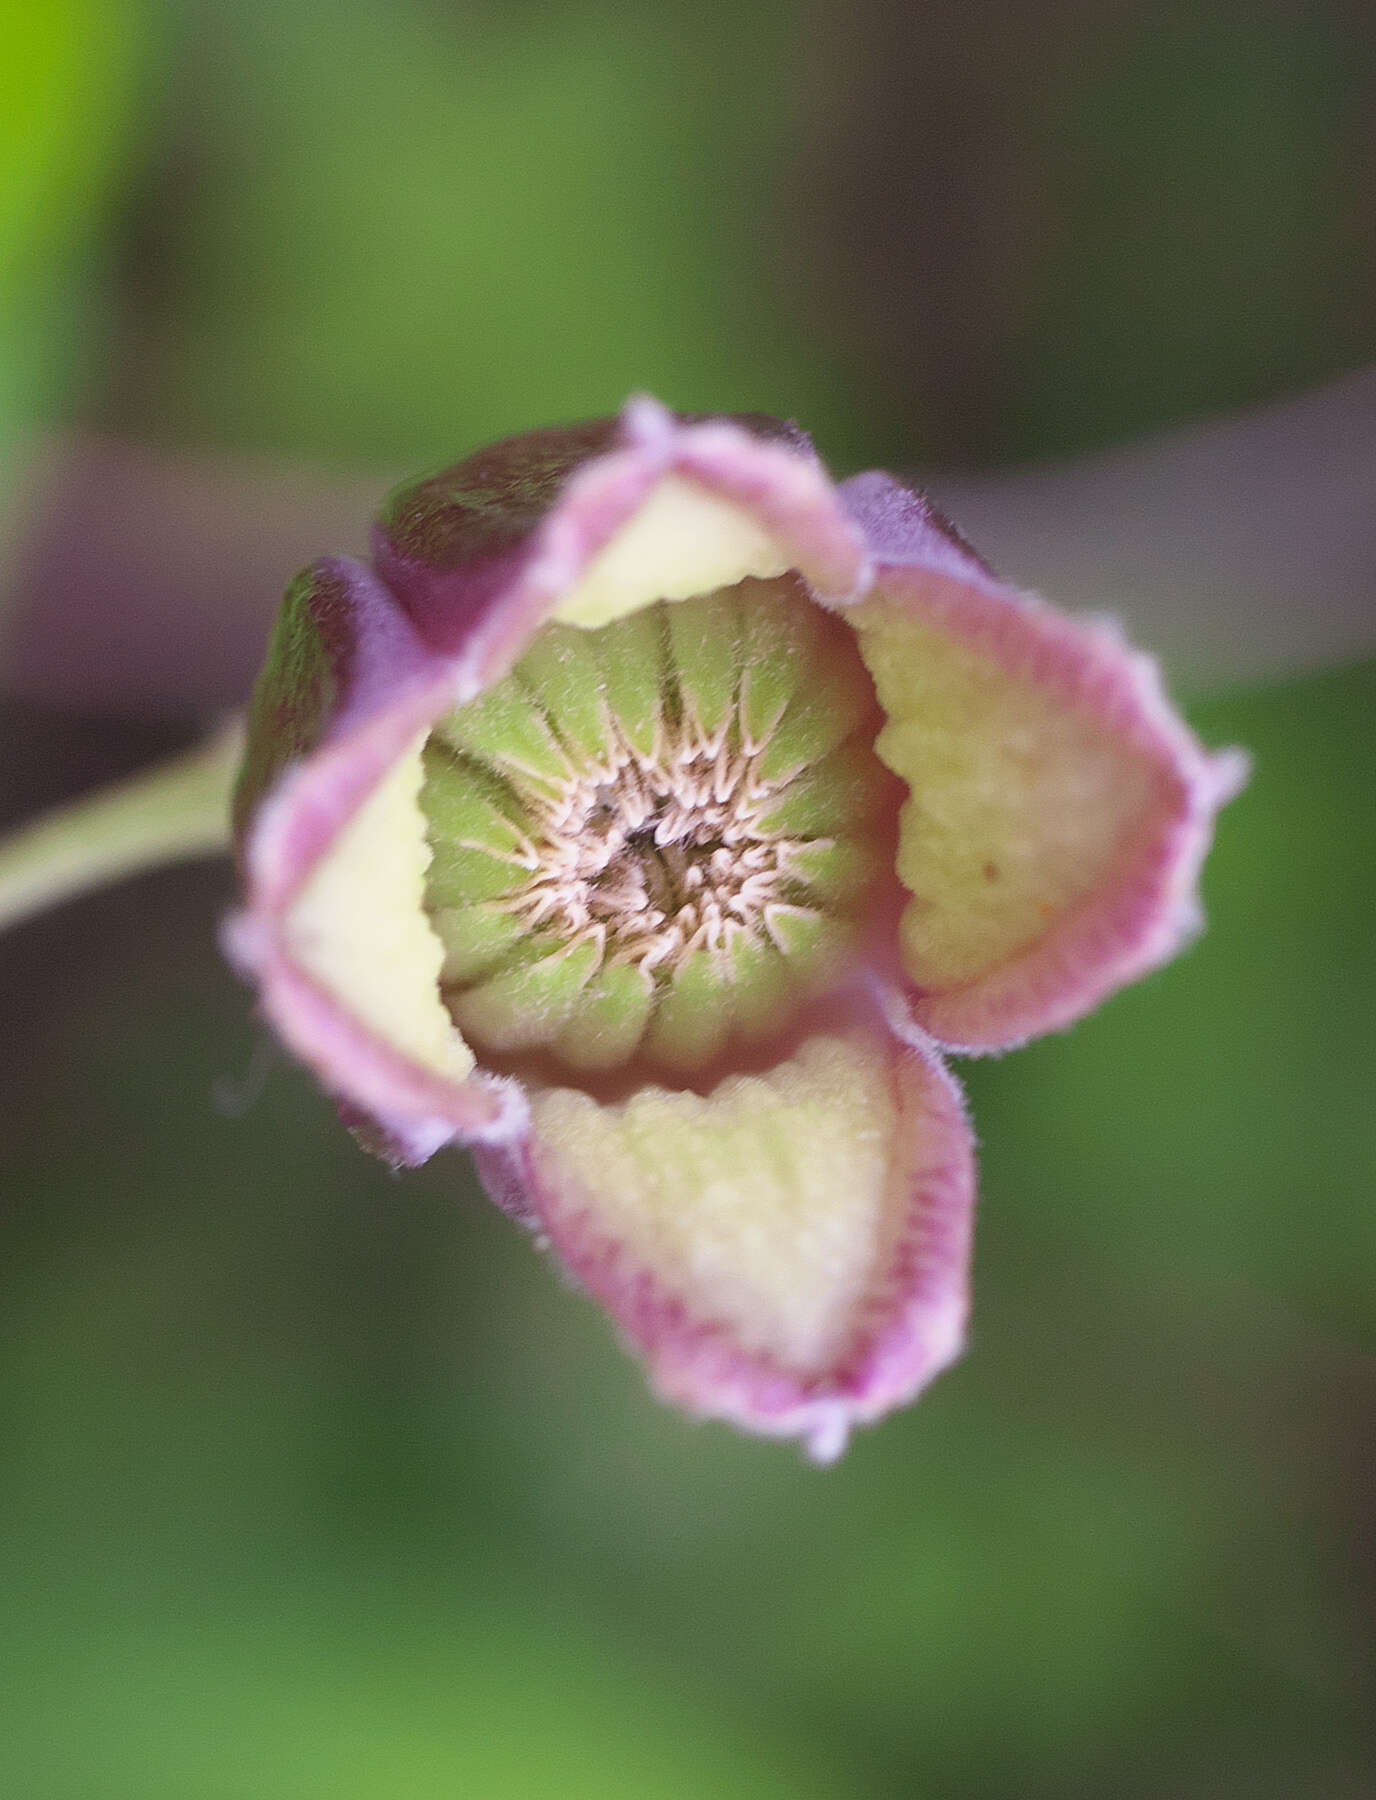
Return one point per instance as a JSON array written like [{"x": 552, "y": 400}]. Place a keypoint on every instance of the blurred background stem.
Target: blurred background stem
[{"x": 1239, "y": 549}]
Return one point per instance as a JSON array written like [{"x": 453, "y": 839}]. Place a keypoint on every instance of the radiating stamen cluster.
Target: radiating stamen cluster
[
  {"x": 655, "y": 835},
  {"x": 656, "y": 857}
]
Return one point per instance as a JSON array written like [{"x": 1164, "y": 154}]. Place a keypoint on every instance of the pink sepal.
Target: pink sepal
[
  {"x": 386, "y": 689},
  {"x": 911, "y": 1327},
  {"x": 1148, "y": 904},
  {"x": 482, "y": 609}
]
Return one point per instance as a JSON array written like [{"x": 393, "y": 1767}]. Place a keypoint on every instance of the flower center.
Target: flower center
[
  {"x": 655, "y": 836},
  {"x": 656, "y": 857}
]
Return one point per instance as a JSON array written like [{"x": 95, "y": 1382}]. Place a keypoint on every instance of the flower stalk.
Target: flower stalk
[{"x": 174, "y": 812}]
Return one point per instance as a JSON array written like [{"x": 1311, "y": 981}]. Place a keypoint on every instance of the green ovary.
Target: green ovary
[{"x": 661, "y": 837}]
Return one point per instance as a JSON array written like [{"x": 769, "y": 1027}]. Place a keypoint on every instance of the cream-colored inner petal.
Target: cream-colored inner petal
[
  {"x": 682, "y": 541},
  {"x": 1019, "y": 805},
  {"x": 768, "y": 1207},
  {"x": 359, "y": 926}
]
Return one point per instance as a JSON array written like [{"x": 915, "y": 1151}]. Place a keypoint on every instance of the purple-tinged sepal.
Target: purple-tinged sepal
[
  {"x": 581, "y": 523},
  {"x": 789, "y": 1250},
  {"x": 1059, "y": 809},
  {"x": 332, "y": 850}
]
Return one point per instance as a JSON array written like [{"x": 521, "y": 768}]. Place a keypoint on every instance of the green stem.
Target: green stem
[{"x": 171, "y": 813}]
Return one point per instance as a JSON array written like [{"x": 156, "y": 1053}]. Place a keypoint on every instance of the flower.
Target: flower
[{"x": 650, "y": 817}]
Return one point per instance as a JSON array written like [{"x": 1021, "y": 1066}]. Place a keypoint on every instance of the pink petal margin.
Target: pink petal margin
[
  {"x": 910, "y": 1328},
  {"x": 387, "y": 688},
  {"x": 405, "y": 646},
  {"x": 483, "y": 613},
  {"x": 1148, "y": 906}
]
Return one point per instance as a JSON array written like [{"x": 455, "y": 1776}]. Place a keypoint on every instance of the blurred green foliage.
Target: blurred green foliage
[
  {"x": 316, "y": 1482},
  {"x": 1209, "y": 223},
  {"x": 421, "y": 228},
  {"x": 68, "y": 74}
]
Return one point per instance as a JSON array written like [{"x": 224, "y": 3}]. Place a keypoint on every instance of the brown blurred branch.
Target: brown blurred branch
[
  {"x": 143, "y": 580},
  {"x": 1240, "y": 549}
]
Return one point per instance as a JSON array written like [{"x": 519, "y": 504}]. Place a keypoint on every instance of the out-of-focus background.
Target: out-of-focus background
[{"x": 316, "y": 1482}]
